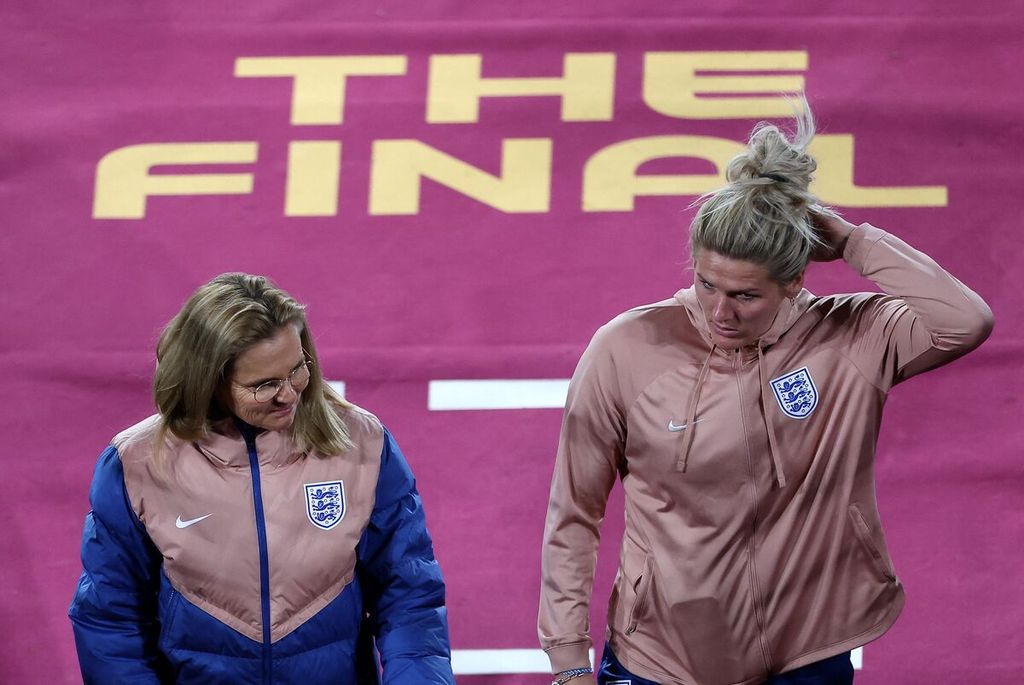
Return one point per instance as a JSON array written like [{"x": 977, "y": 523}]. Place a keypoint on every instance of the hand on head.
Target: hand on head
[{"x": 833, "y": 230}]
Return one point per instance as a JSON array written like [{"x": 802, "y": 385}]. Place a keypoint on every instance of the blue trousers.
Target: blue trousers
[{"x": 835, "y": 670}]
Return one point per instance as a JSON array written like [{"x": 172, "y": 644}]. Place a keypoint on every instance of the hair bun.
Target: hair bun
[
  {"x": 762, "y": 214},
  {"x": 773, "y": 160}
]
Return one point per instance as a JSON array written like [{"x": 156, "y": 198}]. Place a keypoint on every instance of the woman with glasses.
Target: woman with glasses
[{"x": 258, "y": 528}]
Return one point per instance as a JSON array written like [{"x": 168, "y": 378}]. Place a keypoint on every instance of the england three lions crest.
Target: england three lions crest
[
  {"x": 325, "y": 503},
  {"x": 796, "y": 393}
]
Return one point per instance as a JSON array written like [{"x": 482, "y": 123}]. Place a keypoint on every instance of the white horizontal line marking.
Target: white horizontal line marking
[
  {"x": 497, "y": 661},
  {"x": 461, "y": 395},
  {"x": 510, "y": 661}
]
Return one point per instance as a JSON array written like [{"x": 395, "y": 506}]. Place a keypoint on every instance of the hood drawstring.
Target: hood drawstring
[
  {"x": 766, "y": 395},
  {"x": 691, "y": 416},
  {"x": 691, "y": 412},
  {"x": 790, "y": 311}
]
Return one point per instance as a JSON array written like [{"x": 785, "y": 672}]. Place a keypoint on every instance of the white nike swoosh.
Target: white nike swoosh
[
  {"x": 676, "y": 427},
  {"x": 185, "y": 524}
]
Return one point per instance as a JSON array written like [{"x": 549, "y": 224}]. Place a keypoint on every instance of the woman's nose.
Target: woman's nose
[
  {"x": 722, "y": 311},
  {"x": 285, "y": 392}
]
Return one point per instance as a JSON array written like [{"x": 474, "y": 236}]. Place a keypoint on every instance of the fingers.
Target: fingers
[
  {"x": 833, "y": 230},
  {"x": 827, "y": 211}
]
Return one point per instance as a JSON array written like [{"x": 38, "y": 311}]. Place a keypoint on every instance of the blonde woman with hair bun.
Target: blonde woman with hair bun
[
  {"x": 740, "y": 417},
  {"x": 258, "y": 528}
]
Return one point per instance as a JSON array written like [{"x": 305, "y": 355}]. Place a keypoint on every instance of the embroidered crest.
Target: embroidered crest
[
  {"x": 325, "y": 503},
  {"x": 796, "y": 393}
]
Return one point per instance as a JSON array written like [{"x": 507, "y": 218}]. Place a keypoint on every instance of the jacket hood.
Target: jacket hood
[{"x": 790, "y": 310}]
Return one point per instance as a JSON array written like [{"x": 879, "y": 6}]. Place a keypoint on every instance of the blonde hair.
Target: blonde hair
[
  {"x": 762, "y": 215},
  {"x": 198, "y": 348}
]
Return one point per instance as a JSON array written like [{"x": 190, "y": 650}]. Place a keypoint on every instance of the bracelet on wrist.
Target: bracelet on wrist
[{"x": 563, "y": 677}]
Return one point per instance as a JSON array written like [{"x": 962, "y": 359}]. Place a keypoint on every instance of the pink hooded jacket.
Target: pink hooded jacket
[{"x": 752, "y": 540}]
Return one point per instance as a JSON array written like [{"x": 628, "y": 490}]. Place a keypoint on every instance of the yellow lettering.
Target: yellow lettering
[
  {"x": 314, "y": 168},
  {"x": 673, "y": 87},
  {"x": 834, "y": 180},
  {"x": 611, "y": 182},
  {"x": 318, "y": 90},
  {"x": 123, "y": 181},
  {"x": 399, "y": 165},
  {"x": 587, "y": 87}
]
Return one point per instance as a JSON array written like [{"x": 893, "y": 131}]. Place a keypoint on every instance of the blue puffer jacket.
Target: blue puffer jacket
[{"x": 242, "y": 560}]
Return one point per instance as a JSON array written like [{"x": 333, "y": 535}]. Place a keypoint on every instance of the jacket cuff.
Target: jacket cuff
[
  {"x": 858, "y": 246},
  {"x": 565, "y": 657}
]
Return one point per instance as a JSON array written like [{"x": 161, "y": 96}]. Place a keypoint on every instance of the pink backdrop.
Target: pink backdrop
[{"x": 931, "y": 94}]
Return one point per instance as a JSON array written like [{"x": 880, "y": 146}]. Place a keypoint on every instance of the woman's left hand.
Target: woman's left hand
[{"x": 833, "y": 230}]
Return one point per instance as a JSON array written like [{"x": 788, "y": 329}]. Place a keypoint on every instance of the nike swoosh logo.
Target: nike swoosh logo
[
  {"x": 676, "y": 427},
  {"x": 185, "y": 524}
]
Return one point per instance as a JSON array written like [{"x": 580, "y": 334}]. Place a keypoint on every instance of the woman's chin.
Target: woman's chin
[{"x": 276, "y": 420}]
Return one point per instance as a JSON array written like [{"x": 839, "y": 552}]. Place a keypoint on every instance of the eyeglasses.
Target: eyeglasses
[{"x": 268, "y": 390}]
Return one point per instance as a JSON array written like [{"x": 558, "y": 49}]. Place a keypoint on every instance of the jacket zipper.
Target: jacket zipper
[
  {"x": 261, "y": 538},
  {"x": 754, "y": 585}
]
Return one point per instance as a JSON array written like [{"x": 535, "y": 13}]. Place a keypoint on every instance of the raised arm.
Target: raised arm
[
  {"x": 590, "y": 449},
  {"x": 931, "y": 317},
  {"x": 113, "y": 612}
]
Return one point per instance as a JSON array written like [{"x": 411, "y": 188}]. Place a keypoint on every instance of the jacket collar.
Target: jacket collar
[{"x": 227, "y": 445}]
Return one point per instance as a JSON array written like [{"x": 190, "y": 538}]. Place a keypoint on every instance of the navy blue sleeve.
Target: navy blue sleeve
[
  {"x": 114, "y": 608},
  {"x": 402, "y": 584}
]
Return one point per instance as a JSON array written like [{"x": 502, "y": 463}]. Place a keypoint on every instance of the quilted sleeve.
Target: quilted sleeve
[
  {"x": 113, "y": 612},
  {"x": 403, "y": 588}
]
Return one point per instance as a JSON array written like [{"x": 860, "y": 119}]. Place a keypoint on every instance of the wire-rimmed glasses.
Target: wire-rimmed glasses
[{"x": 298, "y": 378}]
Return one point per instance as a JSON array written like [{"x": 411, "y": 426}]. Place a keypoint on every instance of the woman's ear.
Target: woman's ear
[{"x": 793, "y": 287}]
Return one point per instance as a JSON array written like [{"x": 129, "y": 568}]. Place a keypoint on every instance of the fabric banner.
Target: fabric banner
[{"x": 463, "y": 193}]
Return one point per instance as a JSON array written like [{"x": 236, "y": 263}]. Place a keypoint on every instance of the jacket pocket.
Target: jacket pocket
[
  {"x": 642, "y": 590},
  {"x": 863, "y": 533}
]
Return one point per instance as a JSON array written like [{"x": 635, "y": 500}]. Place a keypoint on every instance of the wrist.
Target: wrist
[{"x": 841, "y": 245}]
